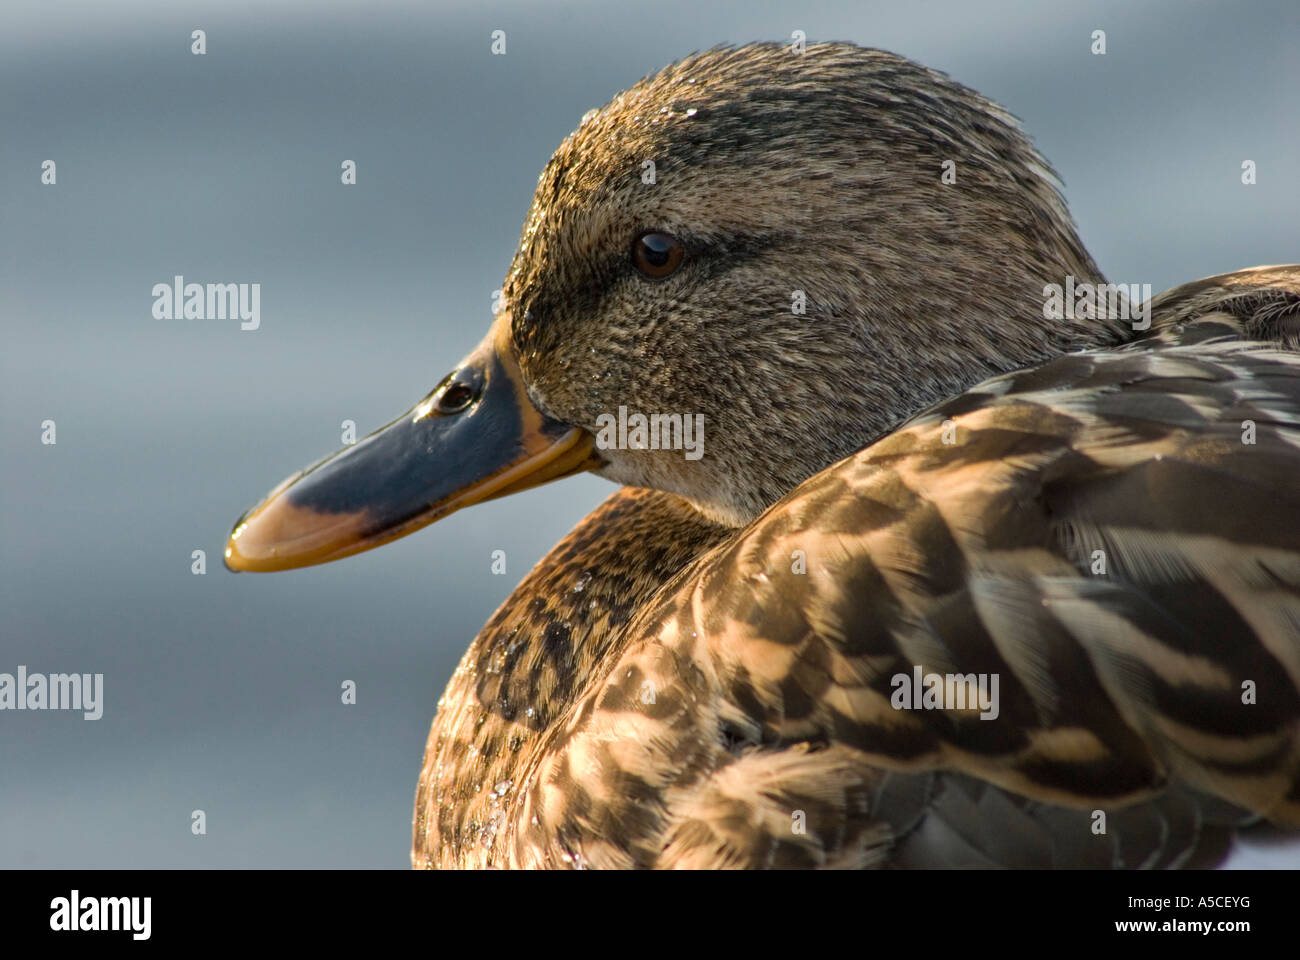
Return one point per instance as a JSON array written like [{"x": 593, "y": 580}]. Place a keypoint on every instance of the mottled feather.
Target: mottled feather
[{"x": 739, "y": 714}]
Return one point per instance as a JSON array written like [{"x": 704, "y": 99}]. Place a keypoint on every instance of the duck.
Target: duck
[{"x": 946, "y": 579}]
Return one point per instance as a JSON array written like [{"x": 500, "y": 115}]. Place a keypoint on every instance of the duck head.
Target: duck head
[{"x": 789, "y": 252}]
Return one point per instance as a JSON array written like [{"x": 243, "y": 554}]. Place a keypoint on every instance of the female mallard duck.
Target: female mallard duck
[{"x": 919, "y": 479}]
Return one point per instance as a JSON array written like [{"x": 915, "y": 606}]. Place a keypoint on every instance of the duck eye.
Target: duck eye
[
  {"x": 458, "y": 391},
  {"x": 657, "y": 255}
]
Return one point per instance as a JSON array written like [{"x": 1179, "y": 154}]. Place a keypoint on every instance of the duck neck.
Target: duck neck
[{"x": 554, "y": 635}]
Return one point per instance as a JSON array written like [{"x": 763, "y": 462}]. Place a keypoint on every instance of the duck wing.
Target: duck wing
[{"x": 1109, "y": 543}]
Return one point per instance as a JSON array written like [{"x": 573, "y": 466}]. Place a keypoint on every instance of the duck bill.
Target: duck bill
[{"x": 435, "y": 459}]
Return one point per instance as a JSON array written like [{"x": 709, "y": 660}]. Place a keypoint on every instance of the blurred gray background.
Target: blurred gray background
[{"x": 222, "y": 691}]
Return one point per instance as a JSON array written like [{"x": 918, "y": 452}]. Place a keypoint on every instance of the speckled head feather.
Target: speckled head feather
[{"x": 780, "y": 172}]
